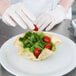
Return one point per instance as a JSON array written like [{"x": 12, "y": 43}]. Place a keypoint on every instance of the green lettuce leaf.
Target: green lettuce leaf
[{"x": 53, "y": 46}]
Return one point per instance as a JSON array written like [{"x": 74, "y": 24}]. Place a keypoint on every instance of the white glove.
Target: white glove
[
  {"x": 50, "y": 18},
  {"x": 18, "y": 14}
]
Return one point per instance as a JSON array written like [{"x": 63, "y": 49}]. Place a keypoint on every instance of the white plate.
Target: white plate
[{"x": 59, "y": 63}]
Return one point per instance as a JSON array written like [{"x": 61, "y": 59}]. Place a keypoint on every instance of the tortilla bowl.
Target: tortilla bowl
[{"x": 45, "y": 52}]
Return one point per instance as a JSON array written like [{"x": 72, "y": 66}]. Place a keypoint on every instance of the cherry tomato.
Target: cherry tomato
[
  {"x": 48, "y": 46},
  {"x": 46, "y": 39},
  {"x": 37, "y": 52},
  {"x": 36, "y": 28}
]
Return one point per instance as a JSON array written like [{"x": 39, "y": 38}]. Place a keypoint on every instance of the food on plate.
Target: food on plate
[{"x": 36, "y": 45}]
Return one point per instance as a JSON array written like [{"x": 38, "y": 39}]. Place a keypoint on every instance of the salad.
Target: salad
[{"x": 36, "y": 45}]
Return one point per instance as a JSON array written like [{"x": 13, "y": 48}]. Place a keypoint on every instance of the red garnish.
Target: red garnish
[
  {"x": 36, "y": 28},
  {"x": 46, "y": 39},
  {"x": 37, "y": 52},
  {"x": 48, "y": 46}
]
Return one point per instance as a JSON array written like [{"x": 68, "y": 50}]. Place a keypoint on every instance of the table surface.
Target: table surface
[{"x": 7, "y": 32}]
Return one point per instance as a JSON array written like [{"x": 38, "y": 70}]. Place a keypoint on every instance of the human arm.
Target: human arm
[
  {"x": 4, "y": 4},
  {"x": 66, "y": 3}
]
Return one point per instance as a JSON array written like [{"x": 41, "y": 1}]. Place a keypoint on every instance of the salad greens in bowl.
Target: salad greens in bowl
[{"x": 36, "y": 45}]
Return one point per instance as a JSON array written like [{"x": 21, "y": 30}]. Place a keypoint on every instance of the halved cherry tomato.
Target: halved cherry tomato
[
  {"x": 48, "y": 46},
  {"x": 46, "y": 39},
  {"x": 37, "y": 52},
  {"x": 36, "y": 28}
]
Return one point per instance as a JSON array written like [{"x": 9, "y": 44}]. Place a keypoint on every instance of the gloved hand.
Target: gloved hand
[
  {"x": 50, "y": 18},
  {"x": 18, "y": 14}
]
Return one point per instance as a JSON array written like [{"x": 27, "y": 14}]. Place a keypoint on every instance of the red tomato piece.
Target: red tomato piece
[
  {"x": 37, "y": 52},
  {"x": 48, "y": 46},
  {"x": 36, "y": 28},
  {"x": 46, "y": 39}
]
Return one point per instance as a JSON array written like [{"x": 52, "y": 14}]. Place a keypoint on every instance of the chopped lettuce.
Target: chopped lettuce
[
  {"x": 53, "y": 46},
  {"x": 28, "y": 34},
  {"x": 25, "y": 49},
  {"x": 40, "y": 44},
  {"x": 34, "y": 40}
]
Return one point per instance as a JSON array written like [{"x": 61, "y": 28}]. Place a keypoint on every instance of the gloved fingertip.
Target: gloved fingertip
[
  {"x": 40, "y": 29},
  {"x": 24, "y": 27},
  {"x": 33, "y": 27},
  {"x": 14, "y": 25},
  {"x": 47, "y": 29},
  {"x": 11, "y": 24}
]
